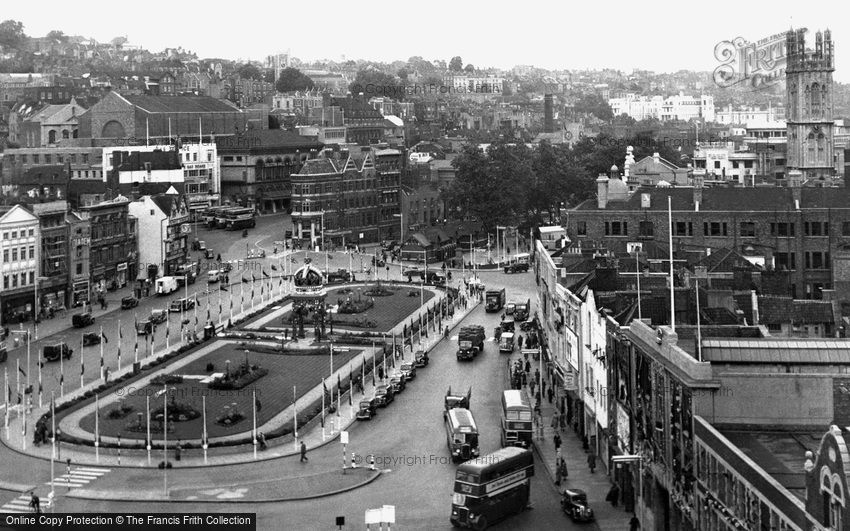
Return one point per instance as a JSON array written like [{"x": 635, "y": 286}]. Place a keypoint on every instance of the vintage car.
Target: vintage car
[
  {"x": 52, "y": 352},
  {"x": 384, "y": 394},
  {"x": 516, "y": 268},
  {"x": 82, "y": 320},
  {"x": 159, "y": 316},
  {"x": 129, "y": 302},
  {"x": 454, "y": 400},
  {"x": 144, "y": 327},
  {"x": 421, "y": 358},
  {"x": 209, "y": 254},
  {"x": 397, "y": 382},
  {"x": 257, "y": 253},
  {"x": 408, "y": 370},
  {"x": 91, "y": 338},
  {"x": 367, "y": 408},
  {"x": 574, "y": 504},
  {"x": 182, "y": 305}
]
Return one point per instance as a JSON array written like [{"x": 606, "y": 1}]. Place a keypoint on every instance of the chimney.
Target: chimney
[
  {"x": 755, "y": 303},
  {"x": 795, "y": 181},
  {"x": 698, "y": 185},
  {"x": 601, "y": 191},
  {"x": 656, "y": 158}
]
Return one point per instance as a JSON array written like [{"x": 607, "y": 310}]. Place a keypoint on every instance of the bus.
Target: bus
[
  {"x": 516, "y": 419},
  {"x": 492, "y": 487},
  {"x": 221, "y": 217},
  {"x": 461, "y": 434},
  {"x": 238, "y": 218},
  {"x": 212, "y": 214}
]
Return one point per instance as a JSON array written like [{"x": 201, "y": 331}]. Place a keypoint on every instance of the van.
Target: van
[
  {"x": 213, "y": 276},
  {"x": 166, "y": 285}
]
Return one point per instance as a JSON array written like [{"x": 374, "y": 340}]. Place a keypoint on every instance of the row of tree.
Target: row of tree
[{"x": 514, "y": 184}]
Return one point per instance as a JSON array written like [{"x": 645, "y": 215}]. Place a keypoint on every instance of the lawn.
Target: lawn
[
  {"x": 274, "y": 392},
  {"x": 387, "y": 312}
]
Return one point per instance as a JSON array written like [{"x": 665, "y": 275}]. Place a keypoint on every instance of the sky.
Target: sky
[{"x": 663, "y": 36}]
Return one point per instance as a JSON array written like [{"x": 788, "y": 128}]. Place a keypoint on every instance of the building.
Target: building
[
  {"x": 141, "y": 173},
  {"x": 469, "y": 85},
  {"x": 163, "y": 226},
  {"x": 745, "y": 114},
  {"x": 53, "y": 287},
  {"x": 138, "y": 117},
  {"x": 256, "y": 167},
  {"x": 79, "y": 258},
  {"x": 786, "y": 227},
  {"x": 809, "y": 93},
  {"x": 113, "y": 248},
  {"x": 51, "y": 124},
  {"x": 364, "y": 125},
  {"x": 304, "y": 103},
  {"x": 353, "y": 194},
  {"x": 652, "y": 171},
  {"x": 20, "y": 230},
  {"x": 677, "y": 107}
]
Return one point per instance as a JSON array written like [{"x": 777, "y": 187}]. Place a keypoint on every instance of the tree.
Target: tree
[
  {"x": 249, "y": 71},
  {"x": 292, "y": 79},
  {"x": 57, "y": 35},
  {"x": 376, "y": 83},
  {"x": 456, "y": 64},
  {"x": 595, "y": 105},
  {"x": 12, "y": 34},
  {"x": 402, "y": 74},
  {"x": 470, "y": 68}
]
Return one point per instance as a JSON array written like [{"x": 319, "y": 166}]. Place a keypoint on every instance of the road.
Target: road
[{"x": 408, "y": 437}]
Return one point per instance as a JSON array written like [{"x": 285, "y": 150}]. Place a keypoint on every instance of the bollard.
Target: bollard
[
  {"x": 371, "y": 462},
  {"x": 353, "y": 460}
]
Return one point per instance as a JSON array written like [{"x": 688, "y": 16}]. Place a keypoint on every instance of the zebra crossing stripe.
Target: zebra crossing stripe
[
  {"x": 100, "y": 471},
  {"x": 66, "y": 484},
  {"x": 93, "y": 475}
]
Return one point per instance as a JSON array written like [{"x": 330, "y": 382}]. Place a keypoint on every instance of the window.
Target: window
[
  {"x": 748, "y": 229},
  {"x": 5, "y": 255},
  {"x": 783, "y": 229},
  {"x": 14, "y": 234},
  {"x": 785, "y": 261},
  {"x": 32, "y": 277},
  {"x": 714, "y": 228},
  {"x": 646, "y": 228},
  {"x": 32, "y": 252},
  {"x": 14, "y": 254},
  {"x": 817, "y": 260},
  {"x": 816, "y": 228},
  {"x": 5, "y": 281},
  {"x": 616, "y": 228},
  {"x": 716, "y": 164},
  {"x": 748, "y": 164},
  {"x": 32, "y": 232},
  {"x": 683, "y": 228},
  {"x": 6, "y": 234},
  {"x": 14, "y": 280}
]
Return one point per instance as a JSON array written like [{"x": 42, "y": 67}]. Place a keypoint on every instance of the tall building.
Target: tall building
[
  {"x": 20, "y": 236},
  {"x": 810, "y": 107}
]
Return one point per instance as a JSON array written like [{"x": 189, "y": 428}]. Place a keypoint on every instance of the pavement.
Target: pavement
[
  {"x": 596, "y": 484},
  {"x": 285, "y": 487}
]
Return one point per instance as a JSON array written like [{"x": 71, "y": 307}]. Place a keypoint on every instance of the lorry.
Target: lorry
[
  {"x": 166, "y": 285},
  {"x": 522, "y": 311},
  {"x": 495, "y": 300},
  {"x": 453, "y": 400},
  {"x": 506, "y": 342},
  {"x": 470, "y": 341}
]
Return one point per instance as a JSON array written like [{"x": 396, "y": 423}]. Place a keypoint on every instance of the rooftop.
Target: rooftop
[{"x": 184, "y": 104}]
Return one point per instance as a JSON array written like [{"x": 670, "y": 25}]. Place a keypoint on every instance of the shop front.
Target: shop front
[
  {"x": 121, "y": 274},
  {"x": 52, "y": 301},
  {"x": 17, "y": 305},
  {"x": 81, "y": 293}
]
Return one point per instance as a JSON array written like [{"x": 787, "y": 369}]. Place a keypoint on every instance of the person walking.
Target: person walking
[
  {"x": 558, "y": 471},
  {"x": 591, "y": 461},
  {"x": 613, "y": 495},
  {"x": 557, "y": 442},
  {"x": 550, "y": 393},
  {"x": 634, "y": 523},
  {"x": 563, "y": 469},
  {"x": 303, "y": 452},
  {"x": 527, "y": 366},
  {"x": 519, "y": 342},
  {"x": 35, "y": 503}
]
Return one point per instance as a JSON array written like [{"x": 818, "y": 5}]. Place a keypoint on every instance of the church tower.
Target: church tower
[{"x": 809, "y": 109}]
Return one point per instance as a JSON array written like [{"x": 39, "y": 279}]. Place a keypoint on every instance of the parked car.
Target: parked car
[
  {"x": 408, "y": 370},
  {"x": 574, "y": 503},
  {"x": 384, "y": 394},
  {"x": 129, "y": 302},
  {"x": 159, "y": 316},
  {"x": 91, "y": 338},
  {"x": 144, "y": 327},
  {"x": 182, "y": 305},
  {"x": 367, "y": 408},
  {"x": 3, "y": 352},
  {"x": 82, "y": 320},
  {"x": 52, "y": 352},
  {"x": 209, "y": 254},
  {"x": 421, "y": 358},
  {"x": 518, "y": 267},
  {"x": 397, "y": 383}
]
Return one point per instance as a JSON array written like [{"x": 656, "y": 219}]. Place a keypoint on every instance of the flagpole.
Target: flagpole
[
  {"x": 148, "y": 415},
  {"x": 102, "y": 372},
  {"x": 120, "y": 338},
  {"x": 374, "y": 368},
  {"x": 62, "y": 372},
  {"x": 28, "y": 361},
  {"x": 96, "y": 429},
  {"x": 295, "y": 414},
  {"x": 363, "y": 376},
  {"x": 6, "y": 392},
  {"x": 204, "y": 443},
  {"x": 82, "y": 364},
  {"x": 168, "y": 326},
  {"x": 672, "y": 292},
  {"x": 350, "y": 391},
  {"x": 53, "y": 445},
  {"x": 136, "y": 348},
  {"x": 323, "y": 408},
  {"x": 165, "y": 439},
  {"x": 18, "y": 381},
  {"x": 40, "y": 388},
  {"x": 254, "y": 432}
]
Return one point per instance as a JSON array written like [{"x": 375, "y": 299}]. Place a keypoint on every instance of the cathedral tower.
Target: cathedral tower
[{"x": 809, "y": 109}]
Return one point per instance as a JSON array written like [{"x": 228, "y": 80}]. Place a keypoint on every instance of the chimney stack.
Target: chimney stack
[
  {"x": 601, "y": 191},
  {"x": 698, "y": 186},
  {"x": 795, "y": 181}
]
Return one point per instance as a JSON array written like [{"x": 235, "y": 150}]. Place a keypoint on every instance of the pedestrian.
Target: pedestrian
[
  {"x": 549, "y": 392},
  {"x": 527, "y": 365},
  {"x": 563, "y": 468},
  {"x": 557, "y": 441},
  {"x": 538, "y": 397},
  {"x": 613, "y": 495},
  {"x": 178, "y": 451},
  {"x": 519, "y": 342},
  {"x": 381, "y": 373},
  {"x": 591, "y": 461},
  {"x": 35, "y": 503},
  {"x": 557, "y": 471},
  {"x": 634, "y": 523},
  {"x": 303, "y": 452}
]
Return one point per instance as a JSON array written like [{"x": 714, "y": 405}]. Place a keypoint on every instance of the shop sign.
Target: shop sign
[{"x": 623, "y": 432}]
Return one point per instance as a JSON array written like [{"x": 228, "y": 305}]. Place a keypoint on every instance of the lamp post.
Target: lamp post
[{"x": 36, "y": 309}]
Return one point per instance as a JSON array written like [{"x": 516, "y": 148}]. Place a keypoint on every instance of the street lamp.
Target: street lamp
[{"x": 35, "y": 306}]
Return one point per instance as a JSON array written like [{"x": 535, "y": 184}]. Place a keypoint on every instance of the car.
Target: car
[
  {"x": 82, "y": 320},
  {"x": 209, "y": 254},
  {"x": 213, "y": 276},
  {"x": 384, "y": 394},
  {"x": 53, "y": 352},
  {"x": 144, "y": 327},
  {"x": 410, "y": 273},
  {"x": 129, "y": 302},
  {"x": 367, "y": 408},
  {"x": 397, "y": 382},
  {"x": 158, "y": 316},
  {"x": 91, "y": 338},
  {"x": 518, "y": 267},
  {"x": 574, "y": 504},
  {"x": 182, "y": 305},
  {"x": 202, "y": 245},
  {"x": 421, "y": 358},
  {"x": 433, "y": 278},
  {"x": 408, "y": 370},
  {"x": 338, "y": 276}
]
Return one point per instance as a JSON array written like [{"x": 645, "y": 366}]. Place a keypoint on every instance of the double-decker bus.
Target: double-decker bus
[
  {"x": 492, "y": 487},
  {"x": 516, "y": 419},
  {"x": 221, "y": 217},
  {"x": 238, "y": 218},
  {"x": 461, "y": 434},
  {"x": 211, "y": 215}
]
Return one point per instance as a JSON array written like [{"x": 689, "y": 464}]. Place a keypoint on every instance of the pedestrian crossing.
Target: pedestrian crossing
[
  {"x": 491, "y": 339},
  {"x": 78, "y": 477}
]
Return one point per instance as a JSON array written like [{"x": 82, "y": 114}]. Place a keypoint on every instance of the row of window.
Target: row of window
[
  {"x": 15, "y": 280},
  {"x": 13, "y": 235},
  {"x": 746, "y": 229},
  {"x": 14, "y": 254},
  {"x": 47, "y": 158},
  {"x": 339, "y": 186}
]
